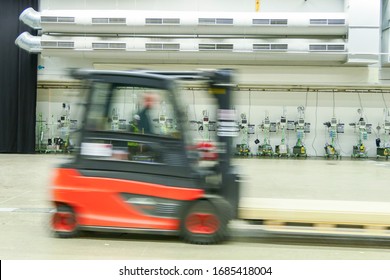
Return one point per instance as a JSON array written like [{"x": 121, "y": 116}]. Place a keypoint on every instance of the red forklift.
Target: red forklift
[{"x": 147, "y": 180}]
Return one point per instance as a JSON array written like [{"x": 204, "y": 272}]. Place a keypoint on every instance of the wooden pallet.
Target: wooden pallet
[{"x": 318, "y": 216}]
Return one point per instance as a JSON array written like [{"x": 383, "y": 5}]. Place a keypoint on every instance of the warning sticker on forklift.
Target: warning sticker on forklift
[{"x": 96, "y": 149}]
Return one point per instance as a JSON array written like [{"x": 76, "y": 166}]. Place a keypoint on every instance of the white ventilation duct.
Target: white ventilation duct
[
  {"x": 189, "y": 50},
  {"x": 30, "y": 43},
  {"x": 196, "y": 50},
  {"x": 149, "y": 44},
  {"x": 186, "y": 22}
]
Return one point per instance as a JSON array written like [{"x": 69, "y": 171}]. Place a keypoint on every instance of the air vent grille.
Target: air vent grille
[
  {"x": 317, "y": 48},
  {"x": 109, "y": 20},
  {"x": 336, "y": 21},
  {"x": 50, "y": 19},
  {"x": 66, "y": 19},
  {"x": 260, "y": 21},
  {"x": 336, "y": 47},
  {"x": 324, "y": 47},
  {"x": 106, "y": 45},
  {"x": 264, "y": 21},
  {"x": 162, "y": 47},
  {"x": 166, "y": 21},
  {"x": 49, "y": 44},
  {"x": 215, "y": 47},
  {"x": 279, "y": 21},
  {"x": 270, "y": 47},
  {"x": 211, "y": 21},
  {"x": 171, "y": 21},
  {"x": 57, "y": 44},
  {"x": 317, "y": 21},
  {"x": 66, "y": 44},
  {"x": 224, "y": 21}
]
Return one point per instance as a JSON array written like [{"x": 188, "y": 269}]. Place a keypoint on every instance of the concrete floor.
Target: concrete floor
[{"x": 24, "y": 213}]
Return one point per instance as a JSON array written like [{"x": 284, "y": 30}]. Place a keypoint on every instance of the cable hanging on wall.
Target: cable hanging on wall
[
  {"x": 361, "y": 105},
  {"x": 307, "y": 93},
  {"x": 334, "y": 104},
  {"x": 337, "y": 142},
  {"x": 384, "y": 101},
  {"x": 315, "y": 129},
  {"x": 250, "y": 105}
]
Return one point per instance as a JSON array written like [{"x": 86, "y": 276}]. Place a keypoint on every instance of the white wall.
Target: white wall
[{"x": 57, "y": 68}]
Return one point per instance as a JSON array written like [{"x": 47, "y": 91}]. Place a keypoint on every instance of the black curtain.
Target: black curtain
[{"x": 18, "y": 81}]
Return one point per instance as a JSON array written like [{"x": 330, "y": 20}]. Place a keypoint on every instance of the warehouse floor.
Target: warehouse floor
[{"x": 24, "y": 213}]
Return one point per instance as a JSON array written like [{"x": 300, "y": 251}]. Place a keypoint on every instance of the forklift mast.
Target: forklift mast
[{"x": 221, "y": 88}]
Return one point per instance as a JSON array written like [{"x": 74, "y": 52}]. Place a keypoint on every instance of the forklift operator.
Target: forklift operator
[{"x": 144, "y": 124}]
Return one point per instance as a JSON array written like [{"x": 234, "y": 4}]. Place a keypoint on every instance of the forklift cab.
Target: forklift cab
[
  {"x": 149, "y": 145},
  {"x": 148, "y": 179}
]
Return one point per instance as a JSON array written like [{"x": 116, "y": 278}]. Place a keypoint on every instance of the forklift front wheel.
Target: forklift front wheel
[
  {"x": 202, "y": 224},
  {"x": 64, "y": 222}
]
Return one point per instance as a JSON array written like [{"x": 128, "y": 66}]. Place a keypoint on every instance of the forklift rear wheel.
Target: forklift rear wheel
[
  {"x": 204, "y": 224},
  {"x": 64, "y": 222}
]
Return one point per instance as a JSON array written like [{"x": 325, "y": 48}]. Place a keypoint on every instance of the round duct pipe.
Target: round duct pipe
[
  {"x": 30, "y": 43},
  {"x": 31, "y": 18}
]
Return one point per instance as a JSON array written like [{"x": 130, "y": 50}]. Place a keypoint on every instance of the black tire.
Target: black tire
[
  {"x": 205, "y": 222},
  {"x": 64, "y": 222}
]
